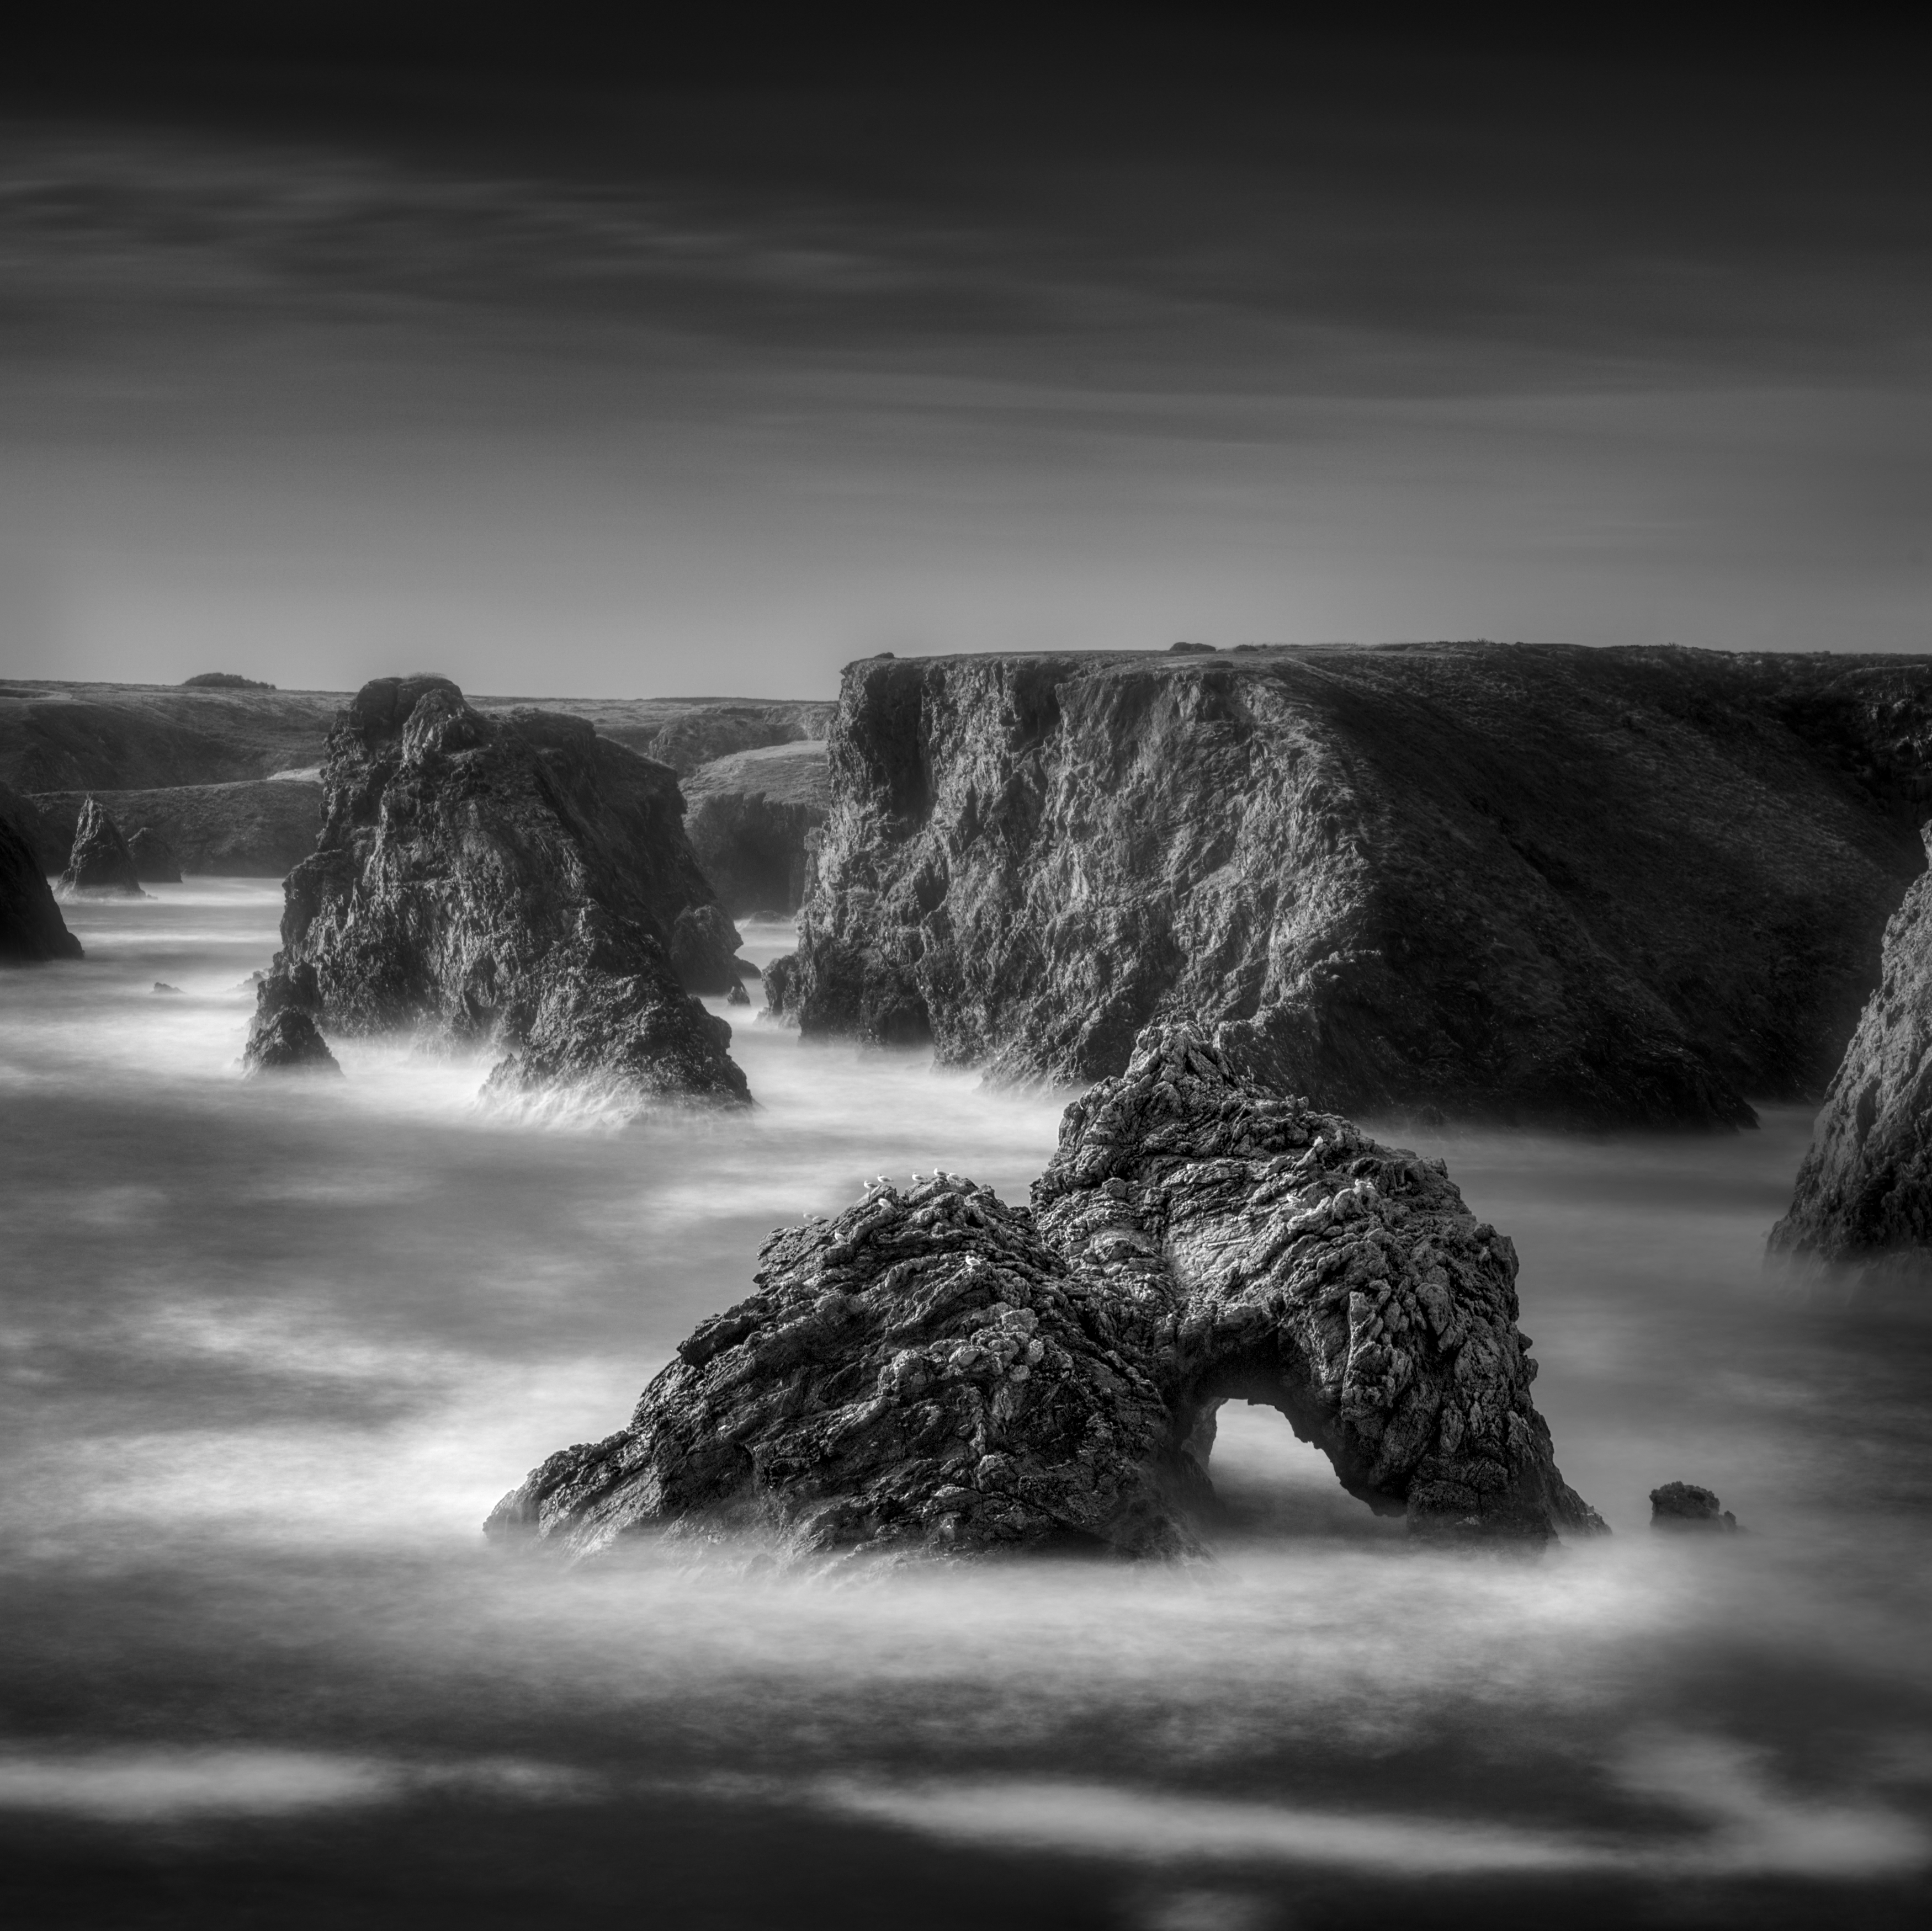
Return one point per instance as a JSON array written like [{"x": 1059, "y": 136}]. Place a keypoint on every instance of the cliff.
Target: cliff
[
  {"x": 1863, "y": 1202},
  {"x": 516, "y": 882},
  {"x": 933, "y": 1370},
  {"x": 752, "y": 817},
  {"x": 1536, "y": 883},
  {"x": 32, "y": 928}
]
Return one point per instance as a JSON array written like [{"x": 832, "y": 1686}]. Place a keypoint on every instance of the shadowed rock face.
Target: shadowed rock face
[
  {"x": 1863, "y": 1202},
  {"x": 32, "y": 928},
  {"x": 935, "y": 1370},
  {"x": 1533, "y": 883},
  {"x": 511, "y": 882},
  {"x": 154, "y": 860},
  {"x": 100, "y": 861},
  {"x": 752, "y": 821}
]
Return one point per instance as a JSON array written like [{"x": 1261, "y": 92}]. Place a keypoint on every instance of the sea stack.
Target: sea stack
[
  {"x": 100, "y": 863},
  {"x": 511, "y": 883},
  {"x": 936, "y": 1371}
]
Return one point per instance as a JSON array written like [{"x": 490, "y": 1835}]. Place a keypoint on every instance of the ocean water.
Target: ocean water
[{"x": 270, "y": 1352}]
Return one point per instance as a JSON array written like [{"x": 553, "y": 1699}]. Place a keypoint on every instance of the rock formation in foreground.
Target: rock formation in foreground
[
  {"x": 1863, "y": 1204},
  {"x": 511, "y": 883},
  {"x": 259, "y": 828},
  {"x": 935, "y": 1370},
  {"x": 1536, "y": 882},
  {"x": 100, "y": 863},
  {"x": 752, "y": 820},
  {"x": 32, "y": 928}
]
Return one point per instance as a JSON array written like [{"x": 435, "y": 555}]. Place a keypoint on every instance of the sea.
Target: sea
[{"x": 270, "y": 1352}]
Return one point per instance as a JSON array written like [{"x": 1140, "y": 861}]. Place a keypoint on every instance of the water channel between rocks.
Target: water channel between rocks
[{"x": 271, "y": 1353}]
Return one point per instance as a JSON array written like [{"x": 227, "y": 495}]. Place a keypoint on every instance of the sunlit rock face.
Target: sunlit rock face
[
  {"x": 32, "y": 928},
  {"x": 101, "y": 861},
  {"x": 935, "y": 1370},
  {"x": 508, "y": 882},
  {"x": 1534, "y": 883},
  {"x": 1863, "y": 1204}
]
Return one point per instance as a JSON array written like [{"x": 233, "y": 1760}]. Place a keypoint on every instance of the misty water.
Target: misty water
[{"x": 271, "y": 1351}]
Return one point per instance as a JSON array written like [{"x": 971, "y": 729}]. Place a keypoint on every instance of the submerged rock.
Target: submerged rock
[
  {"x": 100, "y": 861},
  {"x": 1683, "y": 1505},
  {"x": 1615, "y": 886},
  {"x": 32, "y": 928},
  {"x": 510, "y": 882},
  {"x": 154, "y": 860},
  {"x": 934, "y": 1369},
  {"x": 1862, "y": 1208}
]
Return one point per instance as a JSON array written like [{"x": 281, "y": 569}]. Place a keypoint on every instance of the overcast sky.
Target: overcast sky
[{"x": 682, "y": 370}]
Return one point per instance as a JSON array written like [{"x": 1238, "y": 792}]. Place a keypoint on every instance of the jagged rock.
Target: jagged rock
[
  {"x": 154, "y": 860},
  {"x": 1862, "y": 1207},
  {"x": 703, "y": 950},
  {"x": 753, "y": 821},
  {"x": 510, "y": 882},
  {"x": 1538, "y": 883},
  {"x": 933, "y": 1369},
  {"x": 737, "y": 996},
  {"x": 32, "y": 928},
  {"x": 1683, "y": 1505},
  {"x": 101, "y": 861},
  {"x": 287, "y": 1041}
]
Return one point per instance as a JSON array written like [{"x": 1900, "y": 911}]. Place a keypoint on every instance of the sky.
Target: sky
[{"x": 478, "y": 340}]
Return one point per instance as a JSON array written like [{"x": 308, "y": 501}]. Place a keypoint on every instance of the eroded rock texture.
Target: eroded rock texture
[
  {"x": 1593, "y": 886},
  {"x": 933, "y": 1369},
  {"x": 511, "y": 882},
  {"x": 753, "y": 820},
  {"x": 32, "y": 928},
  {"x": 100, "y": 861},
  {"x": 1863, "y": 1203}
]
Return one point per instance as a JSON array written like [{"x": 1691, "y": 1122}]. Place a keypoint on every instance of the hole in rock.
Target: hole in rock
[{"x": 1268, "y": 1482}]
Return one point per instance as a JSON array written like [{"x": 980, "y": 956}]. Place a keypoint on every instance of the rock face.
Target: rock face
[
  {"x": 511, "y": 883},
  {"x": 1863, "y": 1204},
  {"x": 101, "y": 861},
  {"x": 753, "y": 819},
  {"x": 32, "y": 928},
  {"x": 154, "y": 860},
  {"x": 935, "y": 1370},
  {"x": 1683, "y": 1505},
  {"x": 1532, "y": 883},
  {"x": 703, "y": 950},
  {"x": 258, "y": 828}
]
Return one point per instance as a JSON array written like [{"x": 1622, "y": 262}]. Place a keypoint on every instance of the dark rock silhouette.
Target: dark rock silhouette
[
  {"x": 32, "y": 928},
  {"x": 1683, "y": 1505},
  {"x": 101, "y": 861},
  {"x": 161, "y": 985},
  {"x": 753, "y": 819},
  {"x": 934, "y": 1369},
  {"x": 154, "y": 860},
  {"x": 1537, "y": 883},
  {"x": 1862, "y": 1208},
  {"x": 285, "y": 1041},
  {"x": 258, "y": 828},
  {"x": 703, "y": 950},
  {"x": 737, "y": 996},
  {"x": 510, "y": 883}
]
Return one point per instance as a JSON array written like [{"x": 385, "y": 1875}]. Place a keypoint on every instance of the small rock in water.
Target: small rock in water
[
  {"x": 1683, "y": 1505},
  {"x": 288, "y": 1040},
  {"x": 737, "y": 996},
  {"x": 162, "y": 985}
]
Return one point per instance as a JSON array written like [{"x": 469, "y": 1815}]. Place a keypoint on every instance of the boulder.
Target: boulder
[
  {"x": 100, "y": 863},
  {"x": 154, "y": 860},
  {"x": 1536, "y": 883},
  {"x": 32, "y": 928},
  {"x": 1683, "y": 1505},
  {"x": 935, "y": 1370},
  {"x": 753, "y": 820},
  {"x": 1862, "y": 1208},
  {"x": 511, "y": 883}
]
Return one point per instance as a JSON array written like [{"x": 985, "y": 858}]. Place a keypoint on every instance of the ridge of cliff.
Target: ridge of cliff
[
  {"x": 513, "y": 881},
  {"x": 1534, "y": 883},
  {"x": 935, "y": 1370}
]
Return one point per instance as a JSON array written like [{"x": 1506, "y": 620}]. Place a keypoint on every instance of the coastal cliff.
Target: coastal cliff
[
  {"x": 753, "y": 819},
  {"x": 1534, "y": 883},
  {"x": 515, "y": 882}
]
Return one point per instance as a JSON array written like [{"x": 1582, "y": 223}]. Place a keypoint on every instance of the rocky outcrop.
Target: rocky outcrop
[
  {"x": 1862, "y": 1208},
  {"x": 258, "y": 828},
  {"x": 287, "y": 1041},
  {"x": 1679, "y": 1506},
  {"x": 32, "y": 928},
  {"x": 511, "y": 883},
  {"x": 935, "y": 1370},
  {"x": 753, "y": 819},
  {"x": 100, "y": 863},
  {"x": 703, "y": 950},
  {"x": 154, "y": 860},
  {"x": 1534, "y": 883}
]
